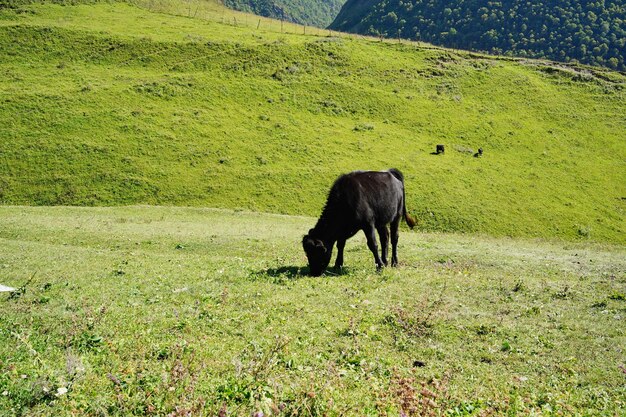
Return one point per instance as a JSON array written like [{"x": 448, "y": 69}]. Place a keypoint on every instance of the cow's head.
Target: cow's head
[{"x": 317, "y": 254}]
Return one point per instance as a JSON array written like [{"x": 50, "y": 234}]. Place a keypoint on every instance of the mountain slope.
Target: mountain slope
[
  {"x": 311, "y": 12},
  {"x": 111, "y": 104},
  {"x": 590, "y": 32}
]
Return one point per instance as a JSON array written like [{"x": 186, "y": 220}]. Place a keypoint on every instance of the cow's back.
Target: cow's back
[{"x": 366, "y": 196}]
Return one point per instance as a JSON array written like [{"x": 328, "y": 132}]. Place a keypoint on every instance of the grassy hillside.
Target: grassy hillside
[
  {"x": 112, "y": 104},
  {"x": 170, "y": 311}
]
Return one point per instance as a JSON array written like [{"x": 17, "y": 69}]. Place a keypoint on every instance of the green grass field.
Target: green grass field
[
  {"x": 509, "y": 299},
  {"x": 113, "y": 104},
  {"x": 165, "y": 311}
]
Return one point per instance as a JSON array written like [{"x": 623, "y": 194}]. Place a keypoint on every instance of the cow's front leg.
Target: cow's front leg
[
  {"x": 339, "y": 261},
  {"x": 384, "y": 243},
  {"x": 370, "y": 235}
]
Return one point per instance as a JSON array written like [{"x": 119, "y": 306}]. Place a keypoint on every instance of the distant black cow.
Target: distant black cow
[{"x": 360, "y": 200}]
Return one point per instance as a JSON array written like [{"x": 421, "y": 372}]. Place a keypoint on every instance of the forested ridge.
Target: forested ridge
[
  {"x": 563, "y": 30},
  {"x": 312, "y": 12}
]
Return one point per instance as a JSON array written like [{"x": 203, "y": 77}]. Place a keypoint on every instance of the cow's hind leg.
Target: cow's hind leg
[
  {"x": 370, "y": 235},
  {"x": 383, "y": 233},
  {"x": 340, "y": 245},
  {"x": 394, "y": 241}
]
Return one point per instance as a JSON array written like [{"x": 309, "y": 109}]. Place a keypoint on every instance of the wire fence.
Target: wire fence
[{"x": 216, "y": 12}]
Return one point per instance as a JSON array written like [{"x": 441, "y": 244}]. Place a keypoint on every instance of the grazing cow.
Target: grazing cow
[{"x": 360, "y": 200}]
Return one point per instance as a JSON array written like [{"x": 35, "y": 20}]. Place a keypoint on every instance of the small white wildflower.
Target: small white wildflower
[
  {"x": 5, "y": 393},
  {"x": 61, "y": 391}
]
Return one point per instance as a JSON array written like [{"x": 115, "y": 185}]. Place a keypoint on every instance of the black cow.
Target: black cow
[{"x": 360, "y": 200}]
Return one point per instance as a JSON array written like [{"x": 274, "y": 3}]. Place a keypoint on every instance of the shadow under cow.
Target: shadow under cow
[{"x": 292, "y": 273}]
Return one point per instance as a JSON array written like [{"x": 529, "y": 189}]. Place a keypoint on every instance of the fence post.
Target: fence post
[{"x": 258, "y": 24}]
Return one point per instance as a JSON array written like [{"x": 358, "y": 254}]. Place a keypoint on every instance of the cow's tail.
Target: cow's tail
[{"x": 409, "y": 220}]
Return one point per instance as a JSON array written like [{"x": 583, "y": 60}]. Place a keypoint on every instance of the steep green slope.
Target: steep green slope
[
  {"x": 565, "y": 30},
  {"x": 319, "y": 13},
  {"x": 112, "y": 104}
]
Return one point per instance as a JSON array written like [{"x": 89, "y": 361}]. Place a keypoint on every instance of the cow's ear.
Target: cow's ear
[
  {"x": 320, "y": 244},
  {"x": 307, "y": 242}
]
